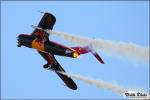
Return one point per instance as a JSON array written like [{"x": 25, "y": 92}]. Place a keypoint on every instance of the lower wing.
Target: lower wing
[
  {"x": 47, "y": 22},
  {"x": 57, "y": 67}
]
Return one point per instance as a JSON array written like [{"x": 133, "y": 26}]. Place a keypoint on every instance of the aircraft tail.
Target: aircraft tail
[{"x": 87, "y": 49}]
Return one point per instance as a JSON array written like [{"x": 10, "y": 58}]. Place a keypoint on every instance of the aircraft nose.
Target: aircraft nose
[
  {"x": 20, "y": 37},
  {"x": 25, "y": 40}
]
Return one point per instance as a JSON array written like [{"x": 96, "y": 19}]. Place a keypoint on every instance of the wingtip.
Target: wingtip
[
  {"x": 102, "y": 62},
  {"x": 74, "y": 87}
]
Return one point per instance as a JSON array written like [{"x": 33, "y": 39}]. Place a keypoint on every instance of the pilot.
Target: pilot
[{"x": 41, "y": 36}]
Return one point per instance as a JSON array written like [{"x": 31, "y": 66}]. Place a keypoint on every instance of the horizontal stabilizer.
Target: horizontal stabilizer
[
  {"x": 98, "y": 57},
  {"x": 87, "y": 49}
]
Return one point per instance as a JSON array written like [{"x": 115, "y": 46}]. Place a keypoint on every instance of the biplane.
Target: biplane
[{"x": 39, "y": 40}]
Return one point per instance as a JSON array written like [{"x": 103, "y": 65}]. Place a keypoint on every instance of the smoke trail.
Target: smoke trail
[
  {"x": 98, "y": 83},
  {"x": 101, "y": 84},
  {"x": 109, "y": 46}
]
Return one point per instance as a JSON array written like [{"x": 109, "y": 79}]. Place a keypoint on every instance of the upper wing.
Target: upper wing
[
  {"x": 57, "y": 67},
  {"x": 47, "y": 22}
]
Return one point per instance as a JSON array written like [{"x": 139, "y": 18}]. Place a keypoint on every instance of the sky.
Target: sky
[{"x": 22, "y": 74}]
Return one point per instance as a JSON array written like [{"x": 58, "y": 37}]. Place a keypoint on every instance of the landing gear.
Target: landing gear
[{"x": 46, "y": 66}]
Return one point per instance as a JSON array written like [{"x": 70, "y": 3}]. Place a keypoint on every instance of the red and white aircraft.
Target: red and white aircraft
[{"x": 39, "y": 40}]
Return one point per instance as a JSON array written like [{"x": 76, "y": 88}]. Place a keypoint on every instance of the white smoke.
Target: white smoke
[
  {"x": 109, "y": 86},
  {"x": 108, "y": 46}
]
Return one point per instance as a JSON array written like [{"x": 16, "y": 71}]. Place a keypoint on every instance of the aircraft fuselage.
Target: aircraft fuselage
[{"x": 46, "y": 46}]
